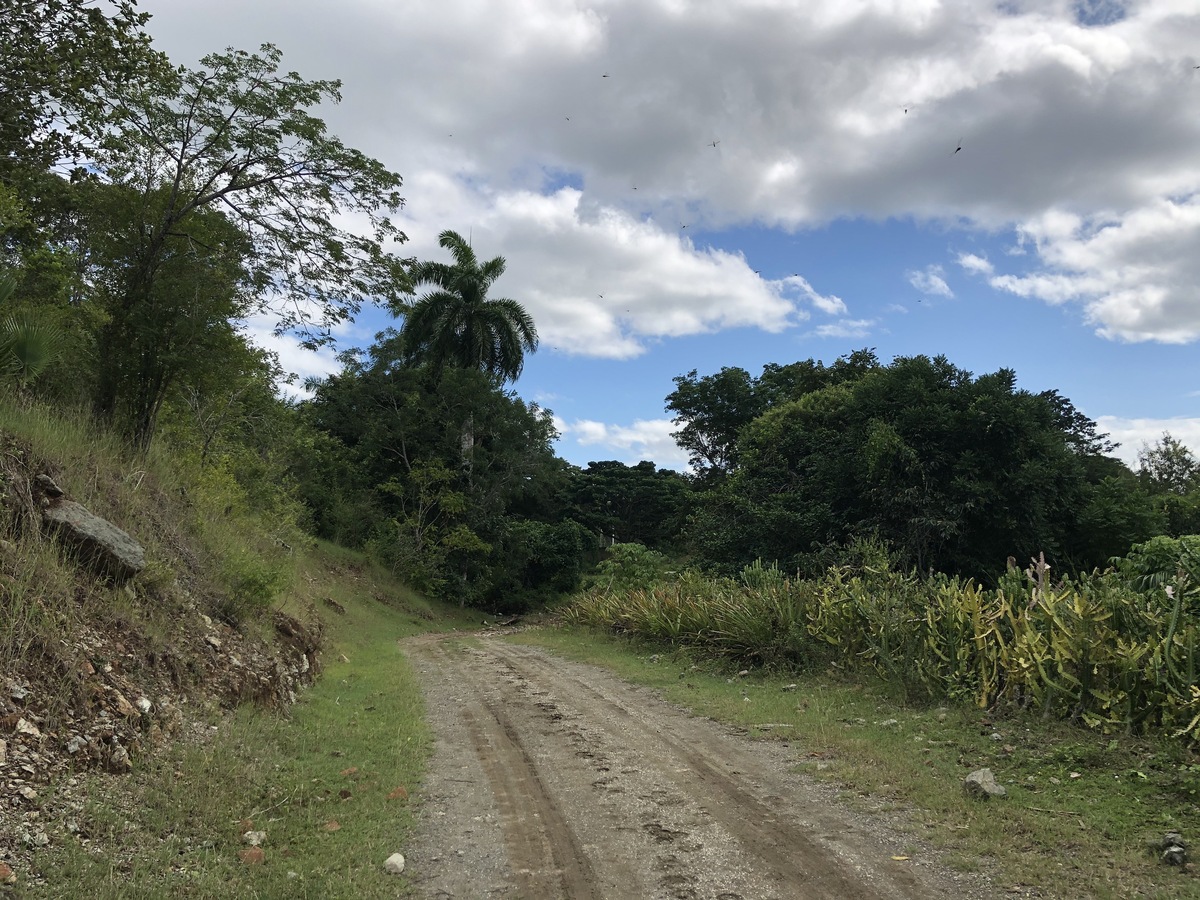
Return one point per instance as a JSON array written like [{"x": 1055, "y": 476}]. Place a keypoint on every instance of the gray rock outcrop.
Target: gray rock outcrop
[{"x": 100, "y": 542}]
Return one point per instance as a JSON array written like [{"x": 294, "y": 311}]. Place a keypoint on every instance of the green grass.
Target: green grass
[
  {"x": 1066, "y": 836},
  {"x": 175, "y": 827}
]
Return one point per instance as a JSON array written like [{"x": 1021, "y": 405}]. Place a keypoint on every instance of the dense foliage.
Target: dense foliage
[
  {"x": 147, "y": 212},
  {"x": 1099, "y": 649},
  {"x": 392, "y": 475},
  {"x": 954, "y": 472}
]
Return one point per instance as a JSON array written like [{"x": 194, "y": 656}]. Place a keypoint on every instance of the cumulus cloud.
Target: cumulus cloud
[
  {"x": 601, "y": 282},
  {"x": 295, "y": 359},
  {"x": 1076, "y": 126},
  {"x": 644, "y": 439},
  {"x": 826, "y": 303},
  {"x": 930, "y": 281},
  {"x": 977, "y": 265},
  {"x": 846, "y": 328},
  {"x": 1136, "y": 276},
  {"x": 1134, "y": 434}
]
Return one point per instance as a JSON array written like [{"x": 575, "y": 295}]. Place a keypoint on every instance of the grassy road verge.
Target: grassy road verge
[
  {"x": 329, "y": 783},
  {"x": 1080, "y": 806}
]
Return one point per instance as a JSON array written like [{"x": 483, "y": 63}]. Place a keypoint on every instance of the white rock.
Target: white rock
[
  {"x": 144, "y": 705},
  {"x": 3, "y": 752},
  {"x": 982, "y": 783},
  {"x": 27, "y": 792},
  {"x": 254, "y": 838},
  {"x": 26, "y": 727},
  {"x": 394, "y": 864}
]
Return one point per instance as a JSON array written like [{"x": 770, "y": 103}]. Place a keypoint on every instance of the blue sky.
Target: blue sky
[{"x": 576, "y": 139}]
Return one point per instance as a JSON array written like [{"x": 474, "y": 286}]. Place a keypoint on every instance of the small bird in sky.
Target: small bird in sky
[
  {"x": 959, "y": 147},
  {"x": 714, "y": 143},
  {"x": 568, "y": 118},
  {"x": 682, "y": 226},
  {"x": 601, "y": 296},
  {"x": 605, "y": 75}
]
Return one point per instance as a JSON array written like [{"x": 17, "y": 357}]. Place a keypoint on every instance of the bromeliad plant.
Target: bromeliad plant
[{"x": 1096, "y": 649}]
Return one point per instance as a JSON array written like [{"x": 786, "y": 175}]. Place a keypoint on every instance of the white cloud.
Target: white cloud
[
  {"x": 1076, "y": 129},
  {"x": 931, "y": 281},
  {"x": 1133, "y": 434},
  {"x": 295, "y": 359},
  {"x": 977, "y": 265},
  {"x": 826, "y": 303},
  {"x": 846, "y": 328},
  {"x": 1135, "y": 276},
  {"x": 645, "y": 439},
  {"x": 600, "y": 282}
]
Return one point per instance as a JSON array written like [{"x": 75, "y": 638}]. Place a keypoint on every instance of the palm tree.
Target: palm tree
[
  {"x": 28, "y": 345},
  {"x": 456, "y": 324}
]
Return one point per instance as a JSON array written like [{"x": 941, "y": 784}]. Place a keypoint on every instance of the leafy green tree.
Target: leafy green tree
[
  {"x": 58, "y": 61},
  {"x": 236, "y": 140},
  {"x": 1168, "y": 466},
  {"x": 954, "y": 472},
  {"x": 457, "y": 324},
  {"x": 181, "y": 325},
  {"x": 712, "y": 410},
  {"x": 1170, "y": 475},
  {"x": 630, "y": 504},
  {"x": 458, "y": 533}
]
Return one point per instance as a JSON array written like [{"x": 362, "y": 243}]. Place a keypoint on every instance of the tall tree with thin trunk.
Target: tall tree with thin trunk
[
  {"x": 456, "y": 324},
  {"x": 235, "y": 139}
]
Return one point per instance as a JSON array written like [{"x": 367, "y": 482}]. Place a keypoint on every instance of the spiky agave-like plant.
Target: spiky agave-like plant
[{"x": 28, "y": 345}]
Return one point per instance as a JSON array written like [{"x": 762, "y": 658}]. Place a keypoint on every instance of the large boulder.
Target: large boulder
[{"x": 97, "y": 540}]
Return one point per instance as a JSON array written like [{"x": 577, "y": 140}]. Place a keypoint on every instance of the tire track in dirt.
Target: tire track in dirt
[
  {"x": 546, "y": 857},
  {"x": 574, "y": 784}
]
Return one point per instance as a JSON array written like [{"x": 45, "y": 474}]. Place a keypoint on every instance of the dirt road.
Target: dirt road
[{"x": 553, "y": 779}]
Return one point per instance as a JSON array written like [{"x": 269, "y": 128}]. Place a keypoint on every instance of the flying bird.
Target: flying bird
[
  {"x": 605, "y": 75},
  {"x": 959, "y": 147},
  {"x": 714, "y": 143}
]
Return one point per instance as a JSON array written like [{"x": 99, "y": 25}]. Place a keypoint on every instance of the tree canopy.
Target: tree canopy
[
  {"x": 953, "y": 471},
  {"x": 231, "y": 149},
  {"x": 59, "y": 59}
]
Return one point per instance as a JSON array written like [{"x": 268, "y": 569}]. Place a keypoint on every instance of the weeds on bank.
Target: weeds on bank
[{"x": 330, "y": 783}]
